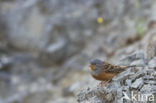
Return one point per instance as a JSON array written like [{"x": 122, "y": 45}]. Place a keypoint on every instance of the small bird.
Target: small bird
[{"x": 103, "y": 71}]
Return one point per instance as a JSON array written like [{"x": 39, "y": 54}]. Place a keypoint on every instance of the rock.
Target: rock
[
  {"x": 88, "y": 94},
  {"x": 152, "y": 63},
  {"x": 150, "y": 42},
  {"x": 5, "y": 62},
  {"x": 73, "y": 64},
  {"x": 54, "y": 53},
  {"x": 134, "y": 56},
  {"x": 139, "y": 63},
  {"x": 128, "y": 82},
  {"x": 109, "y": 91},
  {"x": 123, "y": 75},
  {"x": 138, "y": 83},
  {"x": 26, "y": 32},
  {"x": 46, "y": 46}
]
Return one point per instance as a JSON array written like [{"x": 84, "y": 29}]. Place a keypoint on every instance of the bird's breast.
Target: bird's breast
[{"x": 104, "y": 76}]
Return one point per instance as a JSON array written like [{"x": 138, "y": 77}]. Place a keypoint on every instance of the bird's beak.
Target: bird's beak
[{"x": 92, "y": 67}]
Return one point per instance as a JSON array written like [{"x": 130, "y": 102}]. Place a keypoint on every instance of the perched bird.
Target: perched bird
[{"x": 103, "y": 71}]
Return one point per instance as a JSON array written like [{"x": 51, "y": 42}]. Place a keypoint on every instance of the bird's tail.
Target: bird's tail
[{"x": 124, "y": 67}]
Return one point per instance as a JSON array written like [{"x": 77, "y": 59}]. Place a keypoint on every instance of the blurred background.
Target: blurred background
[{"x": 46, "y": 45}]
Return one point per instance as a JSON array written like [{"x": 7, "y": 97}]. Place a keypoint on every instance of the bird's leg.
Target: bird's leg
[
  {"x": 106, "y": 82},
  {"x": 103, "y": 83}
]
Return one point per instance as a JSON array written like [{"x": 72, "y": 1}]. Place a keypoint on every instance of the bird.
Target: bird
[{"x": 104, "y": 71}]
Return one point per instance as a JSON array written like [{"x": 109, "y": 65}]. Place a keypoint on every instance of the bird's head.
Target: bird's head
[{"x": 95, "y": 64}]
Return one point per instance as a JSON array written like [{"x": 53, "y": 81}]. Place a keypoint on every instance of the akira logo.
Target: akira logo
[{"x": 134, "y": 96}]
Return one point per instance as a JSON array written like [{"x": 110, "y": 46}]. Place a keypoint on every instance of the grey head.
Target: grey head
[{"x": 97, "y": 63}]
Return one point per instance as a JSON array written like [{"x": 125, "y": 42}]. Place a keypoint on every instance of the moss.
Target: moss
[
  {"x": 137, "y": 4},
  {"x": 140, "y": 27}
]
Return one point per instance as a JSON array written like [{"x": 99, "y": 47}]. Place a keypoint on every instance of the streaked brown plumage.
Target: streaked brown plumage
[{"x": 103, "y": 71}]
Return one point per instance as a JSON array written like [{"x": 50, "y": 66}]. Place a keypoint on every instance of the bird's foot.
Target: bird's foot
[{"x": 103, "y": 83}]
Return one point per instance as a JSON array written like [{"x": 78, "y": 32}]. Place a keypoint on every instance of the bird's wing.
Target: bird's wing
[{"x": 109, "y": 68}]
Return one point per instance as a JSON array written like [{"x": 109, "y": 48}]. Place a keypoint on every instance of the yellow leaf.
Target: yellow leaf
[{"x": 100, "y": 20}]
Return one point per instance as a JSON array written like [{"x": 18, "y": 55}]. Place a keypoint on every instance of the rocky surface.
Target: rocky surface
[
  {"x": 46, "y": 45},
  {"x": 135, "y": 85},
  {"x": 138, "y": 80}
]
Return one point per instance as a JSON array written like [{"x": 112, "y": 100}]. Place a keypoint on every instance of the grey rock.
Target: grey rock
[
  {"x": 73, "y": 64},
  {"x": 128, "y": 82},
  {"x": 134, "y": 56},
  {"x": 152, "y": 63},
  {"x": 4, "y": 62},
  {"x": 53, "y": 40},
  {"x": 138, "y": 83},
  {"x": 138, "y": 63}
]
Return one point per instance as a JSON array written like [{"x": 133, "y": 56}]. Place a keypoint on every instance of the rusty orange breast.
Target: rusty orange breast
[{"x": 104, "y": 76}]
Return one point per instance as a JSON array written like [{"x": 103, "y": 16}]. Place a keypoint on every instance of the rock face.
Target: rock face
[
  {"x": 140, "y": 81},
  {"x": 46, "y": 45},
  {"x": 133, "y": 85}
]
